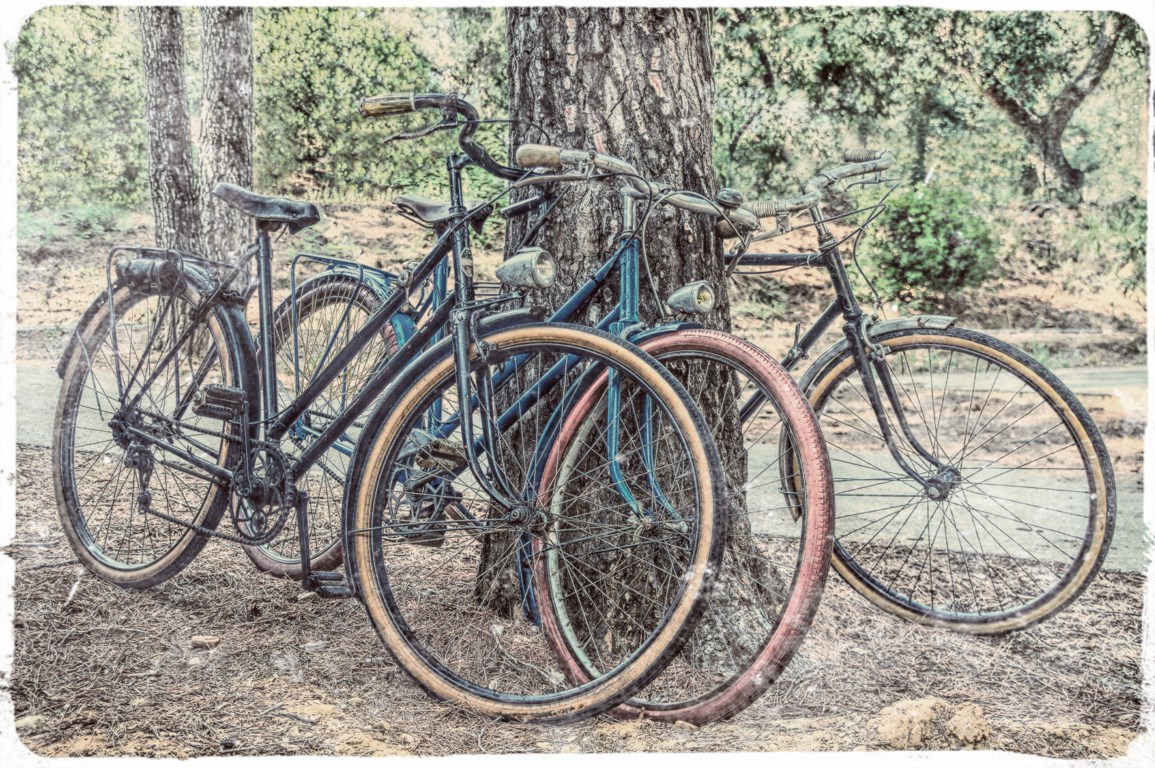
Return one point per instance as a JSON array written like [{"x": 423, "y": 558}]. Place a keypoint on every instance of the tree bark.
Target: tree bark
[
  {"x": 636, "y": 83},
  {"x": 226, "y": 145},
  {"x": 172, "y": 177}
]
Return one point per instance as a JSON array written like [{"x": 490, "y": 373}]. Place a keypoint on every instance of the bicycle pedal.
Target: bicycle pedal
[
  {"x": 327, "y": 576},
  {"x": 433, "y": 538},
  {"x": 216, "y": 401},
  {"x": 328, "y": 584},
  {"x": 445, "y": 455},
  {"x": 334, "y": 590}
]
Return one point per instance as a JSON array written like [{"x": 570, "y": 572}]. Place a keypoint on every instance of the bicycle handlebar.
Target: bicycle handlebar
[
  {"x": 394, "y": 104},
  {"x": 856, "y": 162},
  {"x": 555, "y": 158}
]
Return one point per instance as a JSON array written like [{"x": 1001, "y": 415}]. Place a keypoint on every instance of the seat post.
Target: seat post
[{"x": 267, "y": 360}]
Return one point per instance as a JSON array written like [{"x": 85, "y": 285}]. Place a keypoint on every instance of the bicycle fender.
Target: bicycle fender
[
  {"x": 646, "y": 334},
  {"x": 85, "y": 319},
  {"x": 901, "y": 324}
]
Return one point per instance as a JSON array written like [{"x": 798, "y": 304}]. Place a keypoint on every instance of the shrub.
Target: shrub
[{"x": 928, "y": 244}]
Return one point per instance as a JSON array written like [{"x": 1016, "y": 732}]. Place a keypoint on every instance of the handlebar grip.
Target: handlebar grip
[
  {"x": 763, "y": 209},
  {"x": 389, "y": 104},
  {"x": 862, "y": 155},
  {"x": 538, "y": 156}
]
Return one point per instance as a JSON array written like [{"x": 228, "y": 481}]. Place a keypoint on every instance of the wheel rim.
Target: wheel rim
[
  {"x": 528, "y": 682},
  {"x": 757, "y": 614},
  {"x": 103, "y": 473}
]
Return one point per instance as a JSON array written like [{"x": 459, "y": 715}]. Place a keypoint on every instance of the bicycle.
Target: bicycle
[
  {"x": 166, "y": 394},
  {"x": 772, "y": 577},
  {"x": 938, "y": 433}
]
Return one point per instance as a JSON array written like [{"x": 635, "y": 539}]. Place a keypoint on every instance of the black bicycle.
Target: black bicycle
[
  {"x": 170, "y": 416},
  {"x": 973, "y": 490}
]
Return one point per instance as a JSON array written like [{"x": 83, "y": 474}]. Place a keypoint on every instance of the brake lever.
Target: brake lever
[{"x": 448, "y": 120}]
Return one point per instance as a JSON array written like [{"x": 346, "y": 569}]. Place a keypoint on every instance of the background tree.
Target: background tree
[
  {"x": 172, "y": 175},
  {"x": 226, "y": 123},
  {"x": 1037, "y": 69},
  {"x": 634, "y": 83}
]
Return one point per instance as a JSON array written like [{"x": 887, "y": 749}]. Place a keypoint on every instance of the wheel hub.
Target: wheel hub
[{"x": 942, "y": 485}]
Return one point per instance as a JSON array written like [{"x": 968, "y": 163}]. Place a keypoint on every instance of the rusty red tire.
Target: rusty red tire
[{"x": 775, "y": 568}]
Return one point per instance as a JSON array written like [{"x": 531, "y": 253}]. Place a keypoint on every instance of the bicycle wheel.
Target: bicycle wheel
[
  {"x": 1027, "y": 491},
  {"x": 330, "y": 308},
  {"x": 439, "y": 567},
  {"x": 775, "y": 566},
  {"x": 129, "y": 507}
]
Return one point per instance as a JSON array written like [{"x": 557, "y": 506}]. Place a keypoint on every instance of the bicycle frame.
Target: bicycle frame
[{"x": 856, "y": 330}]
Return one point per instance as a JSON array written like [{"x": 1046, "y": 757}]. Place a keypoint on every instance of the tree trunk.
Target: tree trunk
[
  {"x": 172, "y": 178},
  {"x": 636, "y": 83},
  {"x": 226, "y": 146},
  {"x": 920, "y": 127}
]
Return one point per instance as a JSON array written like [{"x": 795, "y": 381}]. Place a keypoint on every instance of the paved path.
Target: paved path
[{"x": 37, "y": 389}]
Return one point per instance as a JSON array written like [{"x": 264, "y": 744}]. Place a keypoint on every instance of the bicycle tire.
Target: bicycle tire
[
  {"x": 1023, "y": 561},
  {"x": 774, "y": 571},
  {"x": 97, "y": 493},
  {"x": 330, "y": 308},
  {"x": 472, "y": 644}
]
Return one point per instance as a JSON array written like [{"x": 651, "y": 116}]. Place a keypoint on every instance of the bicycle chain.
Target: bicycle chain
[{"x": 250, "y": 541}]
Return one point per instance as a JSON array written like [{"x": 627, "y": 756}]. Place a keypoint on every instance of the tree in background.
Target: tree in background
[
  {"x": 634, "y": 83},
  {"x": 81, "y": 136},
  {"x": 1037, "y": 69},
  {"x": 172, "y": 175},
  {"x": 226, "y": 131}
]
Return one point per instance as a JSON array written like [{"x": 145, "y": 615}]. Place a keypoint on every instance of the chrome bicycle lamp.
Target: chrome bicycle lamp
[
  {"x": 529, "y": 268},
  {"x": 694, "y": 298}
]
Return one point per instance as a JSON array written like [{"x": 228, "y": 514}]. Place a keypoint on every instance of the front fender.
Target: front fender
[{"x": 900, "y": 324}]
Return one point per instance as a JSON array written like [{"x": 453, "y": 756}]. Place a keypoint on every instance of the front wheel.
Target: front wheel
[
  {"x": 440, "y": 567},
  {"x": 1022, "y": 504}
]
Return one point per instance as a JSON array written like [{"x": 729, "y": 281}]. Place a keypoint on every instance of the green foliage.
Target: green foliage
[
  {"x": 1112, "y": 238},
  {"x": 312, "y": 68},
  {"x": 315, "y": 65},
  {"x": 81, "y": 100},
  {"x": 929, "y": 243}
]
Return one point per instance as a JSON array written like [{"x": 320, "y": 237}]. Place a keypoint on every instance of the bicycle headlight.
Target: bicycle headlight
[
  {"x": 529, "y": 268},
  {"x": 695, "y": 298}
]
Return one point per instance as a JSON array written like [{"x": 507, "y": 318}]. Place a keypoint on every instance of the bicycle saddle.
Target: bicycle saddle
[
  {"x": 294, "y": 215},
  {"x": 429, "y": 211}
]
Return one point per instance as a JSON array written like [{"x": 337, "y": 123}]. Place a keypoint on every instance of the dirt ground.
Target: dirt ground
[{"x": 100, "y": 671}]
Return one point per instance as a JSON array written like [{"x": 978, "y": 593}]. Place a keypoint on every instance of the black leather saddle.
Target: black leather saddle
[{"x": 294, "y": 215}]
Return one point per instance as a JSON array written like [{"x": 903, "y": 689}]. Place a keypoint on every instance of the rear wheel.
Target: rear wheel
[
  {"x": 129, "y": 507},
  {"x": 439, "y": 566},
  {"x": 329, "y": 309},
  {"x": 1022, "y": 507}
]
